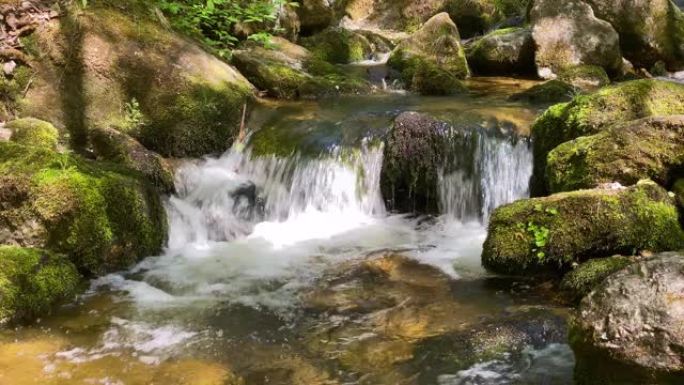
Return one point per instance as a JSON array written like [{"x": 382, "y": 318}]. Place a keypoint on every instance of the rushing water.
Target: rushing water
[{"x": 287, "y": 269}]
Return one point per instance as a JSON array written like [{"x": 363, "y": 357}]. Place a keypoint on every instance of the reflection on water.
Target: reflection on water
[{"x": 284, "y": 268}]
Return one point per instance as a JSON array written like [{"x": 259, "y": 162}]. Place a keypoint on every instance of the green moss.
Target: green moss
[
  {"x": 338, "y": 45},
  {"x": 12, "y": 89},
  {"x": 678, "y": 189},
  {"x": 102, "y": 216},
  {"x": 586, "y": 77},
  {"x": 581, "y": 225},
  {"x": 583, "y": 279},
  {"x": 33, "y": 132},
  {"x": 32, "y": 281},
  {"x": 592, "y": 113},
  {"x": 625, "y": 153},
  {"x": 427, "y": 78}
]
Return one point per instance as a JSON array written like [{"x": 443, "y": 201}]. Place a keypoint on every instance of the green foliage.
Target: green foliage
[
  {"x": 214, "y": 21},
  {"x": 539, "y": 233},
  {"x": 133, "y": 116}
]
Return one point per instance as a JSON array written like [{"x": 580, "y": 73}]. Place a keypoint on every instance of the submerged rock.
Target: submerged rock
[
  {"x": 33, "y": 132},
  {"x": 114, "y": 146},
  {"x": 629, "y": 330},
  {"x": 624, "y": 153},
  {"x": 549, "y": 234},
  {"x": 503, "y": 52},
  {"x": 432, "y": 61},
  {"x": 102, "y": 217},
  {"x": 105, "y": 68},
  {"x": 289, "y": 71},
  {"x": 32, "y": 281},
  {"x": 585, "y": 277},
  {"x": 650, "y": 30},
  {"x": 567, "y": 34},
  {"x": 593, "y": 113},
  {"x": 552, "y": 91}
]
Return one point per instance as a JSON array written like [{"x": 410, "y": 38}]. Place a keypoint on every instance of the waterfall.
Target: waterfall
[
  {"x": 485, "y": 171},
  {"x": 225, "y": 198}
]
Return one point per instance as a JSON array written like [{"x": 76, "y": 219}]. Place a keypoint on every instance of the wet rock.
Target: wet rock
[
  {"x": 33, "y": 281},
  {"x": 590, "y": 114},
  {"x": 632, "y": 324},
  {"x": 114, "y": 146},
  {"x": 33, "y": 132},
  {"x": 432, "y": 61},
  {"x": 585, "y": 77},
  {"x": 289, "y": 71},
  {"x": 414, "y": 152},
  {"x": 567, "y": 34},
  {"x": 549, "y": 234},
  {"x": 552, "y": 91},
  {"x": 503, "y": 52},
  {"x": 585, "y": 277},
  {"x": 650, "y": 30},
  {"x": 101, "y": 216},
  {"x": 315, "y": 15},
  {"x": 339, "y": 45},
  {"x": 105, "y": 68},
  {"x": 624, "y": 153}
]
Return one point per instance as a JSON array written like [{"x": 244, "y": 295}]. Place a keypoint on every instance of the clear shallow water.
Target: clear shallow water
[{"x": 286, "y": 269}]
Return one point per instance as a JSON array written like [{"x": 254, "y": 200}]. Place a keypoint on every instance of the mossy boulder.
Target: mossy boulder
[
  {"x": 550, "y": 92},
  {"x": 402, "y": 15},
  {"x": 650, "y": 30},
  {"x": 549, "y": 234},
  {"x": 567, "y": 34},
  {"x": 32, "y": 281},
  {"x": 315, "y": 15},
  {"x": 339, "y": 46},
  {"x": 585, "y": 77},
  {"x": 624, "y": 153},
  {"x": 34, "y": 132},
  {"x": 114, "y": 146},
  {"x": 584, "y": 278},
  {"x": 432, "y": 61},
  {"x": 503, "y": 52},
  {"x": 289, "y": 71},
  {"x": 631, "y": 324},
  {"x": 103, "y": 217},
  {"x": 101, "y": 67},
  {"x": 590, "y": 114}
]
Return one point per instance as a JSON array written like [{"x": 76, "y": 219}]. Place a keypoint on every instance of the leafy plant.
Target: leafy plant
[
  {"x": 133, "y": 116},
  {"x": 539, "y": 233}
]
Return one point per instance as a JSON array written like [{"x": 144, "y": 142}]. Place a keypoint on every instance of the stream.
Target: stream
[{"x": 284, "y": 267}]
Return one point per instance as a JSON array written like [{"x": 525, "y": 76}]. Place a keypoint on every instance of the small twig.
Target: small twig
[{"x": 28, "y": 86}]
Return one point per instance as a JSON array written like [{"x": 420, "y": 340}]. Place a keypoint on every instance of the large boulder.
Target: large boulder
[
  {"x": 650, "y": 30},
  {"x": 414, "y": 151},
  {"x": 624, "y": 153},
  {"x": 549, "y": 234},
  {"x": 339, "y": 45},
  {"x": 432, "y": 60},
  {"x": 290, "y": 71},
  {"x": 590, "y": 114},
  {"x": 549, "y": 92},
  {"x": 585, "y": 277},
  {"x": 100, "y": 67},
  {"x": 630, "y": 330},
  {"x": 567, "y": 34},
  {"x": 33, "y": 132},
  {"x": 101, "y": 216},
  {"x": 388, "y": 14},
  {"x": 503, "y": 52},
  {"x": 315, "y": 15},
  {"x": 32, "y": 281}
]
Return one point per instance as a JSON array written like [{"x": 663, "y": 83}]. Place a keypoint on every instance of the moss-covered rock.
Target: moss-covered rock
[
  {"x": 32, "y": 281},
  {"x": 549, "y": 234},
  {"x": 552, "y": 91},
  {"x": 585, "y": 277},
  {"x": 33, "y": 132},
  {"x": 339, "y": 46},
  {"x": 567, "y": 34},
  {"x": 289, "y": 71},
  {"x": 315, "y": 15},
  {"x": 592, "y": 113},
  {"x": 117, "y": 147},
  {"x": 12, "y": 88},
  {"x": 101, "y": 216},
  {"x": 585, "y": 77},
  {"x": 503, "y": 52},
  {"x": 650, "y": 30},
  {"x": 625, "y": 153},
  {"x": 100, "y": 67},
  {"x": 432, "y": 60}
]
